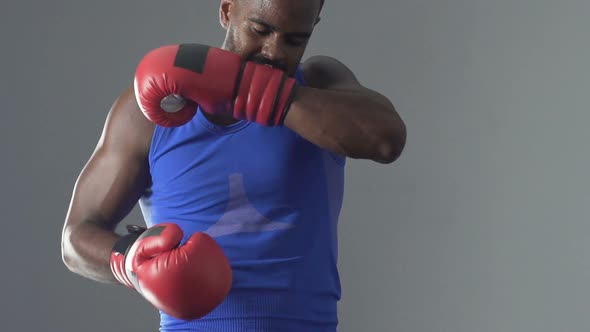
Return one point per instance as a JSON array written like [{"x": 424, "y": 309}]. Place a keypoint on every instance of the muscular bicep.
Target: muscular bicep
[{"x": 117, "y": 173}]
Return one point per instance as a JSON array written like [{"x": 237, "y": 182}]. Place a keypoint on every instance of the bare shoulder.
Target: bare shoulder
[
  {"x": 126, "y": 127},
  {"x": 325, "y": 72},
  {"x": 117, "y": 173}
]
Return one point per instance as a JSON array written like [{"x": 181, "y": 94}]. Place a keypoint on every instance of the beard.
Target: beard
[
  {"x": 261, "y": 59},
  {"x": 230, "y": 45}
]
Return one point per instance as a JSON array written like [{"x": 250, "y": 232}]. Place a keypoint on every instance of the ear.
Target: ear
[{"x": 225, "y": 9}]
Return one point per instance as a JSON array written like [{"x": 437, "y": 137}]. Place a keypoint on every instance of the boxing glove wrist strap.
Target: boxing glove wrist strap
[
  {"x": 125, "y": 242},
  {"x": 262, "y": 94},
  {"x": 119, "y": 253}
]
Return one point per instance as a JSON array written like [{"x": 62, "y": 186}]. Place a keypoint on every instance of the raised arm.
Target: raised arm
[{"x": 335, "y": 112}]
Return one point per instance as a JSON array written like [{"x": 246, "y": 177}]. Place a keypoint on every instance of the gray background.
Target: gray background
[{"x": 482, "y": 225}]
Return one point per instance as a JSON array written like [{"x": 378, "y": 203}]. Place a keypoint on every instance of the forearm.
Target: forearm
[
  {"x": 360, "y": 125},
  {"x": 86, "y": 250}
]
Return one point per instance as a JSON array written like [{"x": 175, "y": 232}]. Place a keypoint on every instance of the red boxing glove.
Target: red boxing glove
[
  {"x": 171, "y": 80},
  {"x": 186, "y": 282}
]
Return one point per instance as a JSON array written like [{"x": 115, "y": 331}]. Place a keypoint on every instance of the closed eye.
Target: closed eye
[
  {"x": 262, "y": 32},
  {"x": 297, "y": 41}
]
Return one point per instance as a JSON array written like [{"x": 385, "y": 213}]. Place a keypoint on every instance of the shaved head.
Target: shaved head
[
  {"x": 272, "y": 32},
  {"x": 321, "y": 2}
]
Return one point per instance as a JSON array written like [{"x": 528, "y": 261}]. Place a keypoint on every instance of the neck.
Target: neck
[{"x": 220, "y": 119}]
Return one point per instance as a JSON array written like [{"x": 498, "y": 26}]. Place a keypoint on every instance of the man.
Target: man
[{"x": 268, "y": 192}]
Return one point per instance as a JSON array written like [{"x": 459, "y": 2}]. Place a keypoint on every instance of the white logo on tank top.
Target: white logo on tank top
[{"x": 240, "y": 215}]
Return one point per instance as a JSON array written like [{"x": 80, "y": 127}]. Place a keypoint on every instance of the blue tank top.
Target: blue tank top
[{"x": 271, "y": 200}]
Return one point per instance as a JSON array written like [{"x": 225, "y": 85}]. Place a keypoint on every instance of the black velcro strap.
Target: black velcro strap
[
  {"x": 126, "y": 241},
  {"x": 192, "y": 57},
  {"x": 136, "y": 229},
  {"x": 153, "y": 231}
]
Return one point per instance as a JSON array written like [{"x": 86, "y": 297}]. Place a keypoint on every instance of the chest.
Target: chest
[{"x": 268, "y": 166}]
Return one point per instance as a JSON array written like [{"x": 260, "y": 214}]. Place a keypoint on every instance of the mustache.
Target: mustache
[{"x": 259, "y": 59}]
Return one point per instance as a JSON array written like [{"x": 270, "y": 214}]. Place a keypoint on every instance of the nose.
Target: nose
[{"x": 273, "y": 50}]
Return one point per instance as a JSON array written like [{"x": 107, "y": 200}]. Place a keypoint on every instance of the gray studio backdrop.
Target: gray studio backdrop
[{"x": 481, "y": 226}]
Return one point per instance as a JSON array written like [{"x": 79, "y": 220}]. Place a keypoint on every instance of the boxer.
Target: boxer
[{"x": 236, "y": 157}]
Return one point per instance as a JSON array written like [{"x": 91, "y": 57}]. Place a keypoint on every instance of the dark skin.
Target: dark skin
[
  {"x": 334, "y": 111},
  {"x": 107, "y": 189}
]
